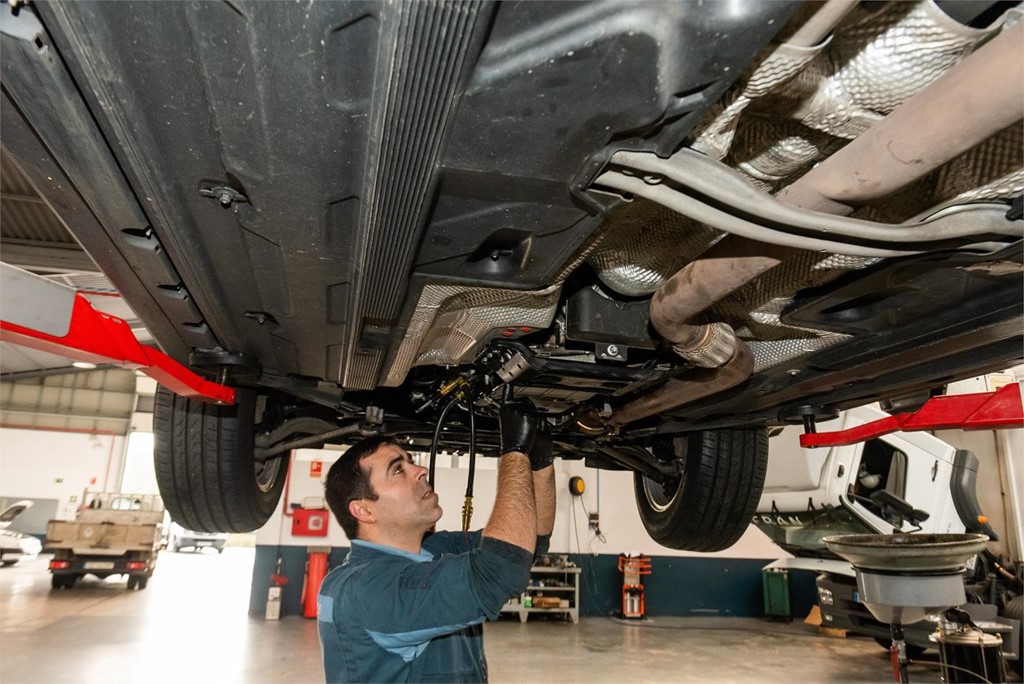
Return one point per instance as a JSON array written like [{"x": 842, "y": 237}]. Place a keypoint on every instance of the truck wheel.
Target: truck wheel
[
  {"x": 57, "y": 582},
  {"x": 208, "y": 476},
  {"x": 711, "y": 503},
  {"x": 1014, "y": 609},
  {"x": 143, "y": 581},
  {"x": 132, "y": 582}
]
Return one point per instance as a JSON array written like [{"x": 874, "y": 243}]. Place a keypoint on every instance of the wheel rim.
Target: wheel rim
[
  {"x": 267, "y": 471},
  {"x": 266, "y": 474},
  {"x": 661, "y": 496}
]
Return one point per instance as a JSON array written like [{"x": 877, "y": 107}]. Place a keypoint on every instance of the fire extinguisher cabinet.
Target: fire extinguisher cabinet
[{"x": 633, "y": 569}]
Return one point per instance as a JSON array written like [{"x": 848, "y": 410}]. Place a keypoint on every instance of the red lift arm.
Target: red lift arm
[
  {"x": 44, "y": 315},
  {"x": 983, "y": 411}
]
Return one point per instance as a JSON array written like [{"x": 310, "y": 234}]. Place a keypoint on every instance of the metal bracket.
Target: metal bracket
[
  {"x": 639, "y": 460},
  {"x": 982, "y": 411},
  {"x": 224, "y": 194},
  {"x": 82, "y": 333}
]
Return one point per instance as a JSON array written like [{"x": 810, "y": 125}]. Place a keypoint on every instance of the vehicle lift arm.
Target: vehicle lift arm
[
  {"x": 45, "y": 315},
  {"x": 982, "y": 411}
]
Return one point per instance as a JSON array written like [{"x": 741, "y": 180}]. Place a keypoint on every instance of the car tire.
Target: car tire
[
  {"x": 133, "y": 582},
  {"x": 1014, "y": 609},
  {"x": 57, "y": 581},
  {"x": 710, "y": 505},
  {"x": 205, "y": 464},
  {"x": 143, "y": 581}
]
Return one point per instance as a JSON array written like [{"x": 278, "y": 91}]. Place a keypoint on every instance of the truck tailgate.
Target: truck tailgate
[{"x": 101, "y": 538}]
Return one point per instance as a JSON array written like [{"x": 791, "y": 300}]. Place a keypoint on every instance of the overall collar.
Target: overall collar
[{"x": 421, "y": 557}]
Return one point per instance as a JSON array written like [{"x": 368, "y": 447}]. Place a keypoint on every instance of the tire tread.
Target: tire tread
[
  {"x": 205, "y": 465},
  {"x": 722, "y": 481}
]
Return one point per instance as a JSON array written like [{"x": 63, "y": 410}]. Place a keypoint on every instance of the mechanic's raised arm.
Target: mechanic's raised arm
[
  {"x": 541, "y": 461},
  {"x": 514, "y": 516}
]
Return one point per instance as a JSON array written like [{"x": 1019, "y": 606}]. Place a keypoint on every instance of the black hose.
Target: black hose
[
  {"x": 467, "y": 506},
  {"x": 437, "y": 438},
  {"x": 472, "y": 448}
]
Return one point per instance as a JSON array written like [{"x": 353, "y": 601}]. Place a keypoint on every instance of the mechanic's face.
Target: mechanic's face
[{"x": 404, "y": 498}]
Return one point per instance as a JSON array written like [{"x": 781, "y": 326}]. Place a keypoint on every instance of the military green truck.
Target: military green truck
[{"x": 113, "y": 534}]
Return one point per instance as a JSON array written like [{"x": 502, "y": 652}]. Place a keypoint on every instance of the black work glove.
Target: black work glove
[
  {"x": 541, "y": 456},
  {"x": 519, "y": 426}
]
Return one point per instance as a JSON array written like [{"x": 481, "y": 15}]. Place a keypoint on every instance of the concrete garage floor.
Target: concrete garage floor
[{"x": 191, "y": 624}]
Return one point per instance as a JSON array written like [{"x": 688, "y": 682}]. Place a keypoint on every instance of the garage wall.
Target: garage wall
[
  {"x": 48, "y": 464},
  {"x": 610, "y": 494},
  {"x": 681, "y": 583}
]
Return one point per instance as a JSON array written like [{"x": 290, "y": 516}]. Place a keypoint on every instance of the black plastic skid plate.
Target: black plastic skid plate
[{"x": 372, "y": 141}]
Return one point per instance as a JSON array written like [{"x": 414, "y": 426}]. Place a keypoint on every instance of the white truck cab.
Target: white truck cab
[{"x": 901, "y": 482}]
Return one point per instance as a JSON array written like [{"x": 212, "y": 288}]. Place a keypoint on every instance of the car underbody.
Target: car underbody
[{"x": 669, "y": 225}]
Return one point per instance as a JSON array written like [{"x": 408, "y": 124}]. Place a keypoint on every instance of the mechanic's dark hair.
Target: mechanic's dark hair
[{"x": 347, "y": 481}]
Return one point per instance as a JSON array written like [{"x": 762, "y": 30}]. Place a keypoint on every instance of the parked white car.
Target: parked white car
[
  {"x": 14, "y": 545},
  {"x": 180, "y": 538}
]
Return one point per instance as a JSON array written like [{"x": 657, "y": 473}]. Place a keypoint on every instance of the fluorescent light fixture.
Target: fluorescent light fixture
[{"x": 84, "y": 365}]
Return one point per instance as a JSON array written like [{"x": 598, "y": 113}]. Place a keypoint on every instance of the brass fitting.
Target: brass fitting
[
  {"x": 456, "y": 385},
  {"x": 467, "y": 513}
]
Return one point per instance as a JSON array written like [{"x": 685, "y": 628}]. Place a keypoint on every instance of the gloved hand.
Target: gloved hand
[
  {"x": 519, "y": 425},
  {"x": 541, "y": 456}
]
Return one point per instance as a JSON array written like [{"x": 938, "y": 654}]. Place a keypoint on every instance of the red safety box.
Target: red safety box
[{"x": 309, "y": 522}]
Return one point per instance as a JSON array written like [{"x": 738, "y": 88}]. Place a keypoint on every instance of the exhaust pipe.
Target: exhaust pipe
[
  {"x": 971, "y": 102},
  {"x": 696, "y": 384}
]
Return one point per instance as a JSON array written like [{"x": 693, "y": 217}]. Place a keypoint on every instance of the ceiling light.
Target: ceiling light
[{"x": 84, "y": 365}]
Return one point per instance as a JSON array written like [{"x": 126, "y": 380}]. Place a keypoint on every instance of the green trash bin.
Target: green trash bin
[{"x": 775, "y": 584}]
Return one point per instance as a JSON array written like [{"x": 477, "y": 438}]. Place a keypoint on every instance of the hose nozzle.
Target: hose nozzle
[{"x": 467, "y": 513}]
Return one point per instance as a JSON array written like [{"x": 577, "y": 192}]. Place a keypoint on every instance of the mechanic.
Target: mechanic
[{"x": 409, "y": 604}]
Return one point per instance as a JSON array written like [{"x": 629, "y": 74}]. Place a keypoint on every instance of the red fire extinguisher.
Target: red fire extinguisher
[{"x": 316, "y": 568}]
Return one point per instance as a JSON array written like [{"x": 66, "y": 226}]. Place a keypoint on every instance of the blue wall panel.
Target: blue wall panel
[
  {"x": 293, "y": 566},
  {"x": 678, "y": 586}
]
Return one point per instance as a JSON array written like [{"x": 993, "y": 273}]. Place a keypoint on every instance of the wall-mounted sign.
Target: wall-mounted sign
[{"x": 315, "y": 468}]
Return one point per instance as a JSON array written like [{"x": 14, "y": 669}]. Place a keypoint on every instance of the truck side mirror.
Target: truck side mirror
[{"x": 899, "y": 507}]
